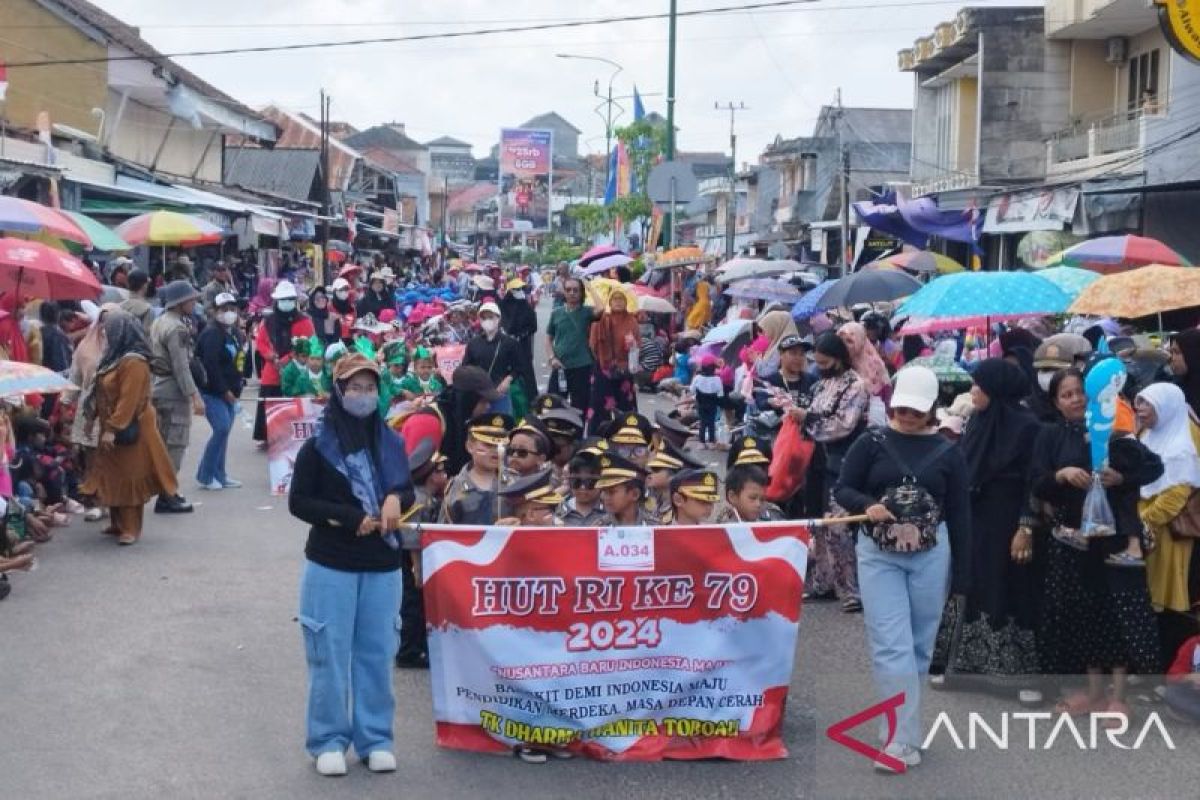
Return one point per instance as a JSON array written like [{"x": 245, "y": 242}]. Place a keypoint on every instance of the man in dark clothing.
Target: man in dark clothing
[
  {"x": 376, "y": 298},
  {"x": 496, "y": 353},
  {"x": 56, "y": 347},
  {"x": 519, "y": 320}
]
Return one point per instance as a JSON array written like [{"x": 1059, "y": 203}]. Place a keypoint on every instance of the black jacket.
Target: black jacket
[
  {"x": 217, "y": 350},
  {"x": 56, "y": 349},
  {"x": 500, "y": 357},
  {"x": 372, "y": 303},
  {"x": 321, "y": 496},
  {"x": 517, "y": 317}
]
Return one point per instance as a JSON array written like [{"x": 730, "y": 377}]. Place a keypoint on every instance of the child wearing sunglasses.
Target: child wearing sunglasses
[{"x": 581, "y": 508}]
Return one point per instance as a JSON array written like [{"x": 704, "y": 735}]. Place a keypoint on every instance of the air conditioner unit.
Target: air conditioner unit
[{"x": 1116, "y": 49}]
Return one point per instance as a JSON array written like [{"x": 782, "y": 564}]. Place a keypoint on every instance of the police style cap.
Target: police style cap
[
  {"x": 490, "y": 428},
  {"x": 748, "y": 450},
  {"x": 424, "y": 458},
  {"x": 595, "y": 446},
  {"x": 677, "y": 452},
  {"x": 631, "y": 429},
  {"x": 534, "y": 427},
  {"x": 563, "y": 421},
  {"x": 671, "y": 428},
  {"x": 697, "y": 484},
  {"x": 546, "y": 402},
  {"x": 533, "y": 488},
  {"x": 663, "y": 460},
  {"x": 615, "y": 470}
]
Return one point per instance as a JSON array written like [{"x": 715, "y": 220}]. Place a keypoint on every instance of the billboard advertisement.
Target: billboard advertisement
[{"x": 525, "y": 179}]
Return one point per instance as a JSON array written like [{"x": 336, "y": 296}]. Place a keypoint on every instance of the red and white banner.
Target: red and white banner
[
  {"x": 448, "y": 358},
  {"x": 290, "y": 422},
  {"x": 633, "y": 644}
]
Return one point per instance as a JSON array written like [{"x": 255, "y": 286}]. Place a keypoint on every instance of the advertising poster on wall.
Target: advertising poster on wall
[{"x": 526, "y": 178}]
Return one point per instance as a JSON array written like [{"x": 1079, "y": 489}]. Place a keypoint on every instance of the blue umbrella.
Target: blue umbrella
[
  {"x": 807, "y": 306},
  {"x": 997, "y": 295},
  {"x": 1071, "y": 280}
]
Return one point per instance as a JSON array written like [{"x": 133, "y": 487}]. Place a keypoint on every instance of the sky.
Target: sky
[{"x": 782, "y": 64}]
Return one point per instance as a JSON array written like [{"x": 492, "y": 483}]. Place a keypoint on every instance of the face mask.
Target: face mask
[
  {"x": 518, "y": 294},
  {"x": 489, "y": 325},
  {"x": 342, "y": 294},
  {"x": 1044, "y": 379},
  {"x": 227, "y": 317},
  {"x": 360, "y": 405},
  {"x": 832, "y": 372},
  {"x": 286, "y": 305}
]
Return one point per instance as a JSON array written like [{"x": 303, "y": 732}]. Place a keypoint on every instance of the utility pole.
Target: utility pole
[
  {"x": 670, "y": 148},
  {"x": 731, "y": 203},
  {"x": 844, "y": 168},
  {"x": 326, "y": 196}
]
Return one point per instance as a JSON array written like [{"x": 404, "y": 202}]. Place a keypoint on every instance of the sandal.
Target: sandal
[
  {"x": 1079, "y": 704},
  {"x": 1073, "y": 539},
  {"x": 1125, "y": 560},
  {"x": 532, "y": 756},
  {"x": 852, "y": 605}
]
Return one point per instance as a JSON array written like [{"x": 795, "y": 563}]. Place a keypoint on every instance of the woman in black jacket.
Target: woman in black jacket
[
  {"x": 912, "y": 485},
  {"x": 349, "y": 483},
  {"x": 217, "y": 349}
]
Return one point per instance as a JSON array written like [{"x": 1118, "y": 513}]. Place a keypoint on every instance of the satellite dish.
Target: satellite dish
[{"x": 659, "y": 183}]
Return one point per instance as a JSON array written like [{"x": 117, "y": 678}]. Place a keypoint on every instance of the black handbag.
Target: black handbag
[{"x": 127, "y": 435}]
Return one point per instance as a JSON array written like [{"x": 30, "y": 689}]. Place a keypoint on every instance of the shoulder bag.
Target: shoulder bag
[
  {"x": 1187, "y": 524},
  {"x": 917, "y": 511}
]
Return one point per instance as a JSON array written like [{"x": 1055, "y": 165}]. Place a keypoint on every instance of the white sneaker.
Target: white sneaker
[
  {"x": 73, "y": 506},
  {"x": 232, "y": 483},
  {"x": 94, "y": 514},
  {"x": 331, "y": 764},
  {"x": 381, "y": 761},
  {"x": 909, "y": 756},
  {"x": 212, "y": 486},
  {"x": 1029, "y": 697}
]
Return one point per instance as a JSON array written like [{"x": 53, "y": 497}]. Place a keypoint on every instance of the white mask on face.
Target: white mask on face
[
  {"x": 227, "y": 317},
  {"x": 286, "y": 306},
  {"x": 342, "y": 294},
  {"x": 489, "y": 324},
  {"x": 1044, "y": 379},
  {"x": 519, "y": 294}
]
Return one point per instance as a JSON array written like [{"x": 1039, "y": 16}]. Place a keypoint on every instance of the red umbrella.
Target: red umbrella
[
  {"x": 33, "y": 270},
  {"x": 349, "y": 270},
  {"x": 1109, "y": 254}
]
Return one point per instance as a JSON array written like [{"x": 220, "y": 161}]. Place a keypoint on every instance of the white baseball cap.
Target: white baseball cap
[
  {"x": 340, "y": 283},
  {"x": 915, "y": 388},
  {"x": 485, "y": 283},
  {"x": 490, "y": 307},
  {"x": 226, "y": 299},
  {"x": 286, "y": 290}
]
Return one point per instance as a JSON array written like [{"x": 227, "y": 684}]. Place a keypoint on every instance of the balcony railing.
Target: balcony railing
[
  {"x": 946, "y": 182},
  {"x": 1103, "y": 140}
]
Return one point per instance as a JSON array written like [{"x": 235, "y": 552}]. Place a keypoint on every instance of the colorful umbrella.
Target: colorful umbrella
[
  {"x": 996, "y": 295},
  {"x": 1109, "y": 254},
  {"x": 33, "y": 270},
  {"x": 103, "y": 237},
  {"x": 604, "y": 263},
  {"x": 946, "y": 368},
  {"x": 808, "y": 303},
  {"x": 869, "y": 286},
  {"x": 727, "y": 332},
  {"x": 923, "y": 261},
  {"x": 655, "y": 304},
  {"x": 1071, "y": 280},
  {"x": 18, "y": 378},
  {"x": 606, "y": 286},
  {"x": 169, "y": 228},
  {"x": 740, "y": 269},
  {"x": 25, "y": 216},
  {"x": 680, "y": 256},
  {"x": 1140, "y": 292},
  {"x": 770, "y": 289}
]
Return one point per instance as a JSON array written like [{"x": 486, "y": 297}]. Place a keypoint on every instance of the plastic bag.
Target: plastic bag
[
  {"x": 789, "y": 462},
  {"x": 635, "y": 360},
  {"x": 1098, "y": 519}
]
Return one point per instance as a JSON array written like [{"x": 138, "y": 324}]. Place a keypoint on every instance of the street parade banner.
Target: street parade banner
[
  {"x": 290, "y": 421},
  {"x": 525, "y": 179},
  {"x": 627, "y": 644},
  {"x": 449, "y": 357}
]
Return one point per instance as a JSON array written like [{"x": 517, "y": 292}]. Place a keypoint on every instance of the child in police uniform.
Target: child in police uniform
[
  {"x": 581, "y": 508},
  {"x": 530, "y": 500},
  {"x": 694, "y": 494},
  {"x": 471, "y": 495},
  {"x": 746, "y": 485}
]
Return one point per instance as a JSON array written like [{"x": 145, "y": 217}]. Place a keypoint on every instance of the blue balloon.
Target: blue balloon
[{"x": 1103, "y": 385}]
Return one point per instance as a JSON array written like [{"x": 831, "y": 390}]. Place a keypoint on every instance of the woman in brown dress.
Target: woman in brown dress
[{"x": 129, "y": 467}]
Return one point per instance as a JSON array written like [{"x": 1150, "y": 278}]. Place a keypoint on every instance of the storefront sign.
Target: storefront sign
[
  {"x": 1047, "y": 210},
  {"x": 525, "y": 179},
  {"x": 1180, "y": 21},
  {"x": 628, "y": 644}
]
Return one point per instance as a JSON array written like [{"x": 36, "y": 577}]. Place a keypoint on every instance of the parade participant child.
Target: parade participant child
[
  {"x": 582, "y": 506},
  {"x": 566, "y": 427},
  {"x": 471, "y": 495},
  {"x": 745, "y": 490},
  {"x": 528, "y": 448},
  {"x": 530, "y": 501},
  {"x": 622, "y": 487},
  {"x": 631, "y": 437},
  {"x": 391, "y": 388},
  {"x": 303, "y": 375},
  {"x": 428, "y": 470},
  {"x": 423, "y": 379},
  {"x": 662, "y": 468},
  {"x": 333, "y": 353},
  {"x": 693, "y": 497}
]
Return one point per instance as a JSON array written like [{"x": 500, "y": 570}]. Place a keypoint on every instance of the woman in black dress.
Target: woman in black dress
[
  {"x": 1097, "y": 617},
  {"x": 994, "y": 632}
]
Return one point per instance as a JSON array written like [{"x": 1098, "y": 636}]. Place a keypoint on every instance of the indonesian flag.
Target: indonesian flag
[
  {"x": 623, "y": 643},
  {"x": 3, "y": 81}
]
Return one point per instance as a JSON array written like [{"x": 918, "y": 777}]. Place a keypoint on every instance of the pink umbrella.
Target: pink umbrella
[
  {"x": 25, "y": 216},
  {"x": 32, "y": 269}
]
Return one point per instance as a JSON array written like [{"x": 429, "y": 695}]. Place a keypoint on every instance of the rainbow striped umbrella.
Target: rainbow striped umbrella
[
  {"x": 25, "y": 216},
  {"x": 169, "y": 228},
  {"x": 18, "y": 378},
  {"x": 1109, "y": 254}
]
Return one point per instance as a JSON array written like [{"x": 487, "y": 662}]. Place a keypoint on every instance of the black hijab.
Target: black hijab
[
  {"x": 319, "y": 315},
  {"x": 998, "y": 437},
  {"x": 279, "y": 329},
  {"x": 1024, "y": 360},
  {"x": 1189, "y": 344}
]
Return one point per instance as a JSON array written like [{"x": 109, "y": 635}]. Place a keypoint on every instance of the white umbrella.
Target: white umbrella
[
  {"x": 605, "y": 263},
  {"x": 739, "y": 269},
  {"x": 654, "y": 304}
]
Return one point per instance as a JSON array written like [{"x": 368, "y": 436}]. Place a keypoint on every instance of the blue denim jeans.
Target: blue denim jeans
[
  {"x": 349, "y": 625},
  {"x": 220, "y": 414},
  {"x": 903, "y": 595}
]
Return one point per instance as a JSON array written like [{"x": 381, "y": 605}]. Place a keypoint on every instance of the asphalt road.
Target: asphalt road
[{"x": 174, "y": 669}]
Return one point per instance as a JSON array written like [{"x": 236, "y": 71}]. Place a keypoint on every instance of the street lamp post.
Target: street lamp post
[{"x": 608, "y": 102}]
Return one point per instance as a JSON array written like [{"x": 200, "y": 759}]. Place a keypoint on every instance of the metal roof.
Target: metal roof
[{"x": 282, "y": 172}]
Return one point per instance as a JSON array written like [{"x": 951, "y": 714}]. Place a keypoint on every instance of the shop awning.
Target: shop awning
[{"x": 149, "y": 196}]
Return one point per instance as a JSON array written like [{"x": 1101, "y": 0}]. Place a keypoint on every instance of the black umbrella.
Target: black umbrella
[{"x": 869, "y": 286}]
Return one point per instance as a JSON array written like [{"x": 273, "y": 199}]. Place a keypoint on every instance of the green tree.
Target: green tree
[
  {"x": 591, "y": 219},
  {"x": 645, "y": 144}
]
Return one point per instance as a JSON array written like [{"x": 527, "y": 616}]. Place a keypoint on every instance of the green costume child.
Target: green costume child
[
  {"x": 302, "y": 376},
  {"x": 333, "y": 354},
  {"x": 392, "y": 379},
  {"x": 423, "y": 379}
]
